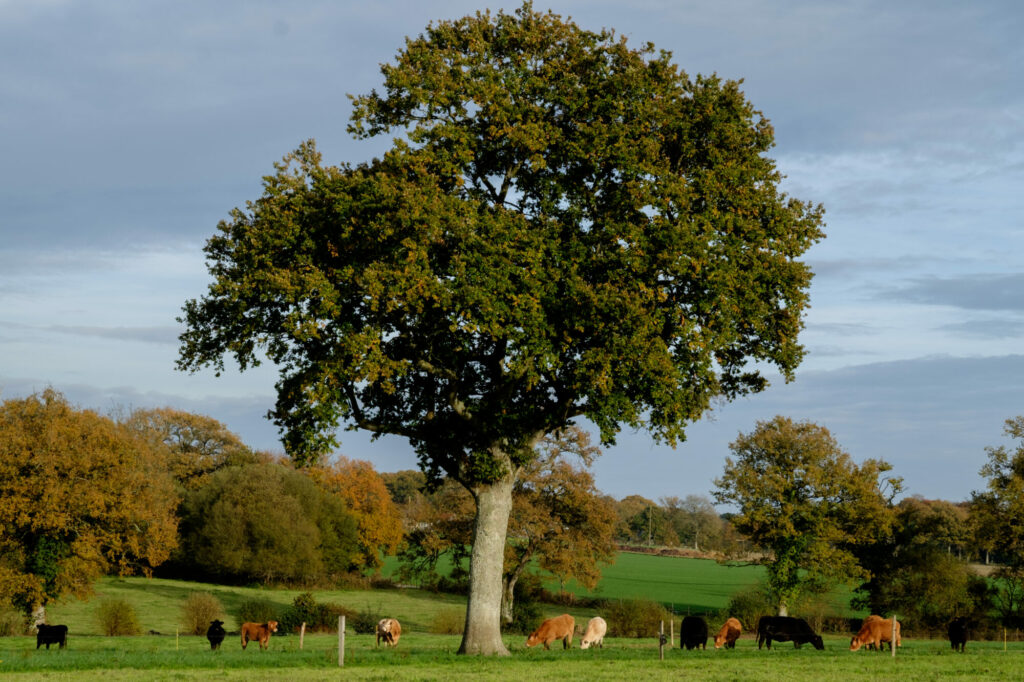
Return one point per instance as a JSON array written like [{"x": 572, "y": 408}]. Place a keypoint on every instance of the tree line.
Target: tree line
[{"x": 84, "y": 494}]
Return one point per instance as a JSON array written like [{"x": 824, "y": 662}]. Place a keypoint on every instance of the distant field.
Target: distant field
[{"x": 686, "y": 585}]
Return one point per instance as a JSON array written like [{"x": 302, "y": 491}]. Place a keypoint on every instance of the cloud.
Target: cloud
[
  {"x": 987, "y": 329},
  {"x": 1003, "y": 292},
  {"x": 931, "y": 418},
  {"x": 164, "y": 335}
]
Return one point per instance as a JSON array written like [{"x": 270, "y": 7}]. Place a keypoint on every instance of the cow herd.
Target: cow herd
[{"x": 874, "y": 633}]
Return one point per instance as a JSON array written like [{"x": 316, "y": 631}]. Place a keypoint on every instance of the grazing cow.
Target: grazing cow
[
  {"x": 874, "y": 632},
  {"x": 693, "y": 633},
  {"x": 559, "y": 627},
  {"x": 51, "y": 634},
  {"x": 728, "y": 635},
  {"x": 389, "y": 630},
  {"x": 215, "y": 633},
  {"x": 594, "y": 636},
  {"x": 258, "y": 632},
  {"x": 957, "y": 632},
  {"x": 785, "y": 629}
]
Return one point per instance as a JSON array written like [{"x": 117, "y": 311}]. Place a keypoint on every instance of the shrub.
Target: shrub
[
  {"x": 198, "y": 611},
  {"x": 257, "y": 611},
  {"x": 635, "y": 618},
  {"x": 749, "y": 605},
  {"x": 117, "y": 617},
  {"x": 448, "y": 622},
  {"x": 365, "y": 622}
]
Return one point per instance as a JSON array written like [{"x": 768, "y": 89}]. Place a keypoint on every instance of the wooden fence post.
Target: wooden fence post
[
  {"x": 661, "y": 642},
  {"x": 671, "y": 633},
  {"x": 892, "y": 637},
  {"x": 302, "y": 635},
  {"x": 341, "y": 641}
]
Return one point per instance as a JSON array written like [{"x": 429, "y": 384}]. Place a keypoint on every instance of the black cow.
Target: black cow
[
  {"x": 215, "y": 634},
  {"x": 51, "y": 634},
  {"x": 786, "y": 629},
  {"x": 693, "y": 633},
  {"x": 957, "y": 632}
]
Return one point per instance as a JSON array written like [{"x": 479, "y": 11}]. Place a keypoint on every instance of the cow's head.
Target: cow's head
[
  {"x": 272, "y": 625},
  {"x": 533, "y": 640},
  {"x": 818, "y": 644},
  {"x": 216, "y": 623}
]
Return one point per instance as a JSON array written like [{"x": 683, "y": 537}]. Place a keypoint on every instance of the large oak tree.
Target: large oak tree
[{"x": 565, "y": 226}]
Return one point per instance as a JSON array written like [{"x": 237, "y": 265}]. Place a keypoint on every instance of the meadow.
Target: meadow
[{"x": 689, "y": 584}]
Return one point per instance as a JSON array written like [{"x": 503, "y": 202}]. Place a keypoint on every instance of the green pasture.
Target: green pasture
[{"x": 432, "y": 657}]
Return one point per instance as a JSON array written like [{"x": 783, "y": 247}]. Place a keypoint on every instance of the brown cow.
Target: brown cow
[
  {"x": 560, "y": 627},
  {"x": 258, "y": 632},
  {"x": 389, "y": 630},
  {"x": 875, "y": 631},
  {"x": 597, "y": 628},
  {"x": 728, "y": 635}
]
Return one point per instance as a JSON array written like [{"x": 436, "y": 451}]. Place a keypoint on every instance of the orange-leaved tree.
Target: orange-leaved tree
[
  {"x": 79, "y": 496},
  {"x": 378, "y": 519}
]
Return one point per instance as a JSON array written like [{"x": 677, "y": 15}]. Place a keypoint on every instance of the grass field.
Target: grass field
[
  {"x": 432, "y": 657},
  {"x": 688, "y": 584}
]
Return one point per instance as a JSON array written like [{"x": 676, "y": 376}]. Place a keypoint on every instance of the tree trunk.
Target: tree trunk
[
  {"x": 482, "y": 634},
  {"x": 38, "y": 615},
  {"x": 783, "y": 609},
  {"x": 508, "y": 602}
]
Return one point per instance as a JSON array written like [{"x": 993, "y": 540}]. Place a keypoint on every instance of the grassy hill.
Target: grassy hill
[{"x": 686, "y": 585}]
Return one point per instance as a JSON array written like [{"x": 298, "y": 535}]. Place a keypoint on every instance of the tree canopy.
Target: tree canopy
[
  {"x": 79, "y": 496},
  {"x": 803, "y": 500},
  {"x": 565, "y": 226}
]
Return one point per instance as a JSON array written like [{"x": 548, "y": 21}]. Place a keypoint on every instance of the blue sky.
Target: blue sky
[{"x": 128, "y": 130}]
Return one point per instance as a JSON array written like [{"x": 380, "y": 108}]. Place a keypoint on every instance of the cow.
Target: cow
[
  {"x": 875, "y": 631},
  {"x": 728, "y": 635},
  {"x": 785, "y": 629},
  {"x": 51, "y": 634},
  {"x": 389, "y": 630},
  {"x": 957, "y": 632},
  {"x": 559, "y": 627},
  {"x": 258, "y": 632},
  {"x": 693, "y": 633},
  {"x": 215, "y": 633},
  {"x": 594, "y": 635}
]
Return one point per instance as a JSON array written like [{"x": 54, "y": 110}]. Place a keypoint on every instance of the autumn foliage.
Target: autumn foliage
[
  {"x": 378, "y": 519},
  {"x": 80, "y": 496}
]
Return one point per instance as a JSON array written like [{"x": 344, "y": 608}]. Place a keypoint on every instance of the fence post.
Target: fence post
[
  {"x": 302, "y": 635},
  {"x": 341, "y": 641},
  {"x": 892, "y": 637},
  {"x": 661, "y": 642},
  {"x": 671, "y": 633}
]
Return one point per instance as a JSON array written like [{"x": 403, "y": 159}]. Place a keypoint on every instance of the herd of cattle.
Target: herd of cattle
[{"x": 693, "y": 633}]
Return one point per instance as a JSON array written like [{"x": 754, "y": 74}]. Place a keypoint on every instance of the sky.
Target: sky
[{"x": 129, "y": 129}]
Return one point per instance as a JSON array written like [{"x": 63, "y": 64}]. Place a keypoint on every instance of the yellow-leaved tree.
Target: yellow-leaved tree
[{"x": 80, "y": 496}]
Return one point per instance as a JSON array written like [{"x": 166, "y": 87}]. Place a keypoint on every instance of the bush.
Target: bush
[
  {"x": 448, "y": 622},
  {"x": 117, "y": 617},
  {"x": 365, "y": 622},
  {"x": 257, "y": 611},
  {"x": 635, "y": 618},
  {"x": 322, "y": 617},
  {"x": 749, "y": 605},
  {"x": 198, "y": 611}
]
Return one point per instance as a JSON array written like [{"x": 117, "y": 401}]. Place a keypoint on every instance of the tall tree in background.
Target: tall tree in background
[
  {"x": 563, "y": 227},
  {"x": 79, "y": 496},
  {"x": 804, "y": 501},
  {"x": 996, "y": 515},
  {"x": 192, "y": 445}
]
